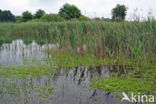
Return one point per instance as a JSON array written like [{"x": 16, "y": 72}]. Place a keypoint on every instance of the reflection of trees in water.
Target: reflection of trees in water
[{"x": 35, "y": 89}]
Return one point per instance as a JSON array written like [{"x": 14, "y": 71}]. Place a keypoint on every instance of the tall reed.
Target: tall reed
[{"x": 104, "y": 39}]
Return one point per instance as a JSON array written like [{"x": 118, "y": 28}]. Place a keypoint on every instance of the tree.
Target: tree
[
  {"x": 69, "y": 12},
  {"x": 6, "y": 16},
  {"x": 119, "y": 12},
  {"x": 26, "y": 16},
  {"x": 39, "y": 14}
]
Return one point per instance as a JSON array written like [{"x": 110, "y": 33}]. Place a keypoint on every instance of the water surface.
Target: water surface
[
  {"x": 17, "y": 51},
  {"x": 64, "y": 86}
]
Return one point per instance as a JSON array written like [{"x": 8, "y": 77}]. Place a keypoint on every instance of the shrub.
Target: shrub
[
  {"x": 51, "y": 18},
  {"x": 84, "y": 18}
]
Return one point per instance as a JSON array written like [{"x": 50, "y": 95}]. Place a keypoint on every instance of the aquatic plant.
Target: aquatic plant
[
  {"x": 132, "y": 82},
  {"x": 30, "y": 68}
]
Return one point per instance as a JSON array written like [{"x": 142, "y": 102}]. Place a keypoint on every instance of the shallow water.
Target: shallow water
[
  {"x": 17, "y": 51},
  {"x": 64, "y": 86},
  {"x": 68, "y": 87}
]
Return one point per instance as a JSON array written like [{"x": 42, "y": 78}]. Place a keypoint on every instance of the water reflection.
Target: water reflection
[
  {"x": 60, "y": 87},
  {"x": 64, "y": 86},
  {"x": 17, "y": 51}
]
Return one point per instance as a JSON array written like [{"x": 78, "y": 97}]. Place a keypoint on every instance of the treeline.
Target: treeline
[
  {"x": 67, "y": 12},
  {"x": 6, "y": 16}
]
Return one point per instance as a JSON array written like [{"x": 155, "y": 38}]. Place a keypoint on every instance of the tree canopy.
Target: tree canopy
[
  {"x": 69, "y": 12},
  {"x": 39, "y": 14},
  {"x": 119, "y": 13},
  {"x": 26, "y": 16},
  {"x": 6, "y": 16}
]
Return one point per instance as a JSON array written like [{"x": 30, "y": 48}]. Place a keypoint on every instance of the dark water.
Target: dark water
[{"x": 61, "y": 87}]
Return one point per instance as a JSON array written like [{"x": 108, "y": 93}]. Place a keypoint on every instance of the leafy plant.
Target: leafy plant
[
  {"x": 119, "y": 12},
  {"x": 39, "y": 14},
  {"x": 26, "y": 16},
  {"x": 69, "y": 12}
]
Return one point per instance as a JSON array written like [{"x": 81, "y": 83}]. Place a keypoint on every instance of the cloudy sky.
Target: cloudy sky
[{"x": 91, "y": 8}]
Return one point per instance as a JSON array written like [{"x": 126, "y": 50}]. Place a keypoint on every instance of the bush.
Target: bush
[
  {"x": 51, "y": 18},
  {"x": 34, "y": 20},
  {"x": 84, "y": 18}
]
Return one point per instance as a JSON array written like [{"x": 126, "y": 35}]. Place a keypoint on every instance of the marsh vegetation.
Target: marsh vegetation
[
  {"x": 125, "y": 49},
  {"x": 55, "y": 58}
]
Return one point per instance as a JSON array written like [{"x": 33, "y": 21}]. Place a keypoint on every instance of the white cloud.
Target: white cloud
[
  {"x": 90, "y": 8},
  {"x": 16, "y": 6}
]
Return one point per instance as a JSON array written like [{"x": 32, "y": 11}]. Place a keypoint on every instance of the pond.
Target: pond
[{"x": 63, "y": 86}]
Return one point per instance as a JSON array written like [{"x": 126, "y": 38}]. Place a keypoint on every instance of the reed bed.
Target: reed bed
[{"x": 102, "y": 39}]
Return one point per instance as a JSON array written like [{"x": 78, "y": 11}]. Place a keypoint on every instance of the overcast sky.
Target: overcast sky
[{"x": 91, "y": 8}]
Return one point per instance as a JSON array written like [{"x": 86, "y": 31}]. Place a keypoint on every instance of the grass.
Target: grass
[{"x": 70, "y": 59}]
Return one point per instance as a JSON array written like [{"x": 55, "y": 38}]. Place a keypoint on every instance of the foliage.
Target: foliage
[
  {"x": 35, "y": 20},
  {"x": 119, "y": 12},
  {"x": 51, "y": 18},
  {"x": 83, "y": 18},
  {"x": 26, "y": 16},
  {"x": 69, "y": 12},
  {"x": 18, "y": 19},
  {"x": 6, "y": 16},
  {"x": 39, "y": 14}
]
